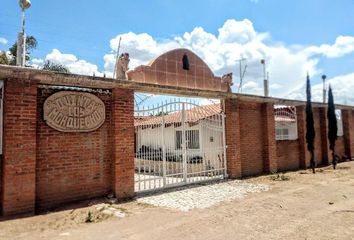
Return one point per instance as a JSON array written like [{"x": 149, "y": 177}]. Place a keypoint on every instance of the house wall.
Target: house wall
[
  {"x": 340, "y": 147},
  {"x": 318, "y": 138},
  {"x": 210, "y": 149},
  {"x": 212, "y": 144},
  {"x": 79, "y": 165},
  {"x": 248, "y": 149},
  {"x": 251, "y": 134},
  {"x": 288, "y": 155},
  {"x": 44, "y": 168}
]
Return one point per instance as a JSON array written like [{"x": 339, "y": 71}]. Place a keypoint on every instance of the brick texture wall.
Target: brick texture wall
[
  {"x": 340, "y": 148},
  {"x": 288, "y": 155},
  {"x": 348, "y": 131},
  {"x": 269, "y": 143},
  {"x": 19, "y": 147},
  {"x": 123, "y": 142},
  {"x": 233, "y": 140},
  {"x": 318, "y": 142},
  {"x": 43, "y": 168},
  {"x": 251, "y": 134},
  {"x": 72, "y": 166}
]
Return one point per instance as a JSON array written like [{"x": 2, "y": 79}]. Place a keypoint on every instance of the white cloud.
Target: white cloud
[
  {"x": 342, "y": 46},
  {"x": 3, "y": 41},
  {"x": 74, "y": 64},
  {"x": 237, "y": 32},
  {"x": 235, "y": 40},
  {"x": 287, "y": 64},
  {"x": 342, "y": 87}
]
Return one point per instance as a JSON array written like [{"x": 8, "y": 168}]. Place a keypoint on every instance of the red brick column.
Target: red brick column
[
  {"x": 269, "y": 142},
  {"x": 123, "y": 142},
  {"x": 348, "y": 130},
  {"x": 19, "y": 149},
  {"x": 232, "y": 128},
  {"x": 326, "y": 154},
  {"x": 301, "y": 128}
]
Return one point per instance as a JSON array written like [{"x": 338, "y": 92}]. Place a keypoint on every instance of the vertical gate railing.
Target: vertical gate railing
[{"x": 177, "y": 143}]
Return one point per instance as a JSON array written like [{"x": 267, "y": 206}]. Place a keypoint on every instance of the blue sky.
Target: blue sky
[{"x": 85, "y": 31}]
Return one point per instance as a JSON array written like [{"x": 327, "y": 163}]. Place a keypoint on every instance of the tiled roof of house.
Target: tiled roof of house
[{"x": 194, "y": 114}]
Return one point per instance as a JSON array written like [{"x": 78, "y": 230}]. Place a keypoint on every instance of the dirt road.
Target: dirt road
[{"x": 306, "y": 206}]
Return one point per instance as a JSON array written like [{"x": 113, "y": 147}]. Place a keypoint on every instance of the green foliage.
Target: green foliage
[
  {"x": 31, "y": 43},
  {"x": 332, "y": 125},
  {"x": 310, "y": 129},
  {"x": 4, "y": 59},
  {"x": 55, "y": 67}
]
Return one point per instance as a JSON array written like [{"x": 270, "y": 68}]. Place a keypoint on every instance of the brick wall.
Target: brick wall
[
  {"x": 288, "y": 155},
  {"x": 19, "y": 149},
  {"x": 318, "y": 139},
  {"x": 269, "y": 143},
  {"x": 43, "y": 168},
  {"x": 348, "y": 131},
  {"x": 123, "y": 142},
  {"x": 251, "y": 134},
  {"x": 340, "y": 148},
  {"x": 72, "y": 166},
  {"x": 233, "y": 140}
]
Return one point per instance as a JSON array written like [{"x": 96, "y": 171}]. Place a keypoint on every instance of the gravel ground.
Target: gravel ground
[{"x": 203, "y": 196}]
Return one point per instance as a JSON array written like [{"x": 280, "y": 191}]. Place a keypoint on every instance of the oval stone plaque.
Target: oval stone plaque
[{"x": 68, "y": 111}]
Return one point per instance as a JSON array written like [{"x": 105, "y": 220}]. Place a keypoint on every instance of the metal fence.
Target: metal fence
[{"x": 177, "y": 143}]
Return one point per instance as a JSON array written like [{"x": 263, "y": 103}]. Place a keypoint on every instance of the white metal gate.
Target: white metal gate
[{"x": 177, "y": 143}]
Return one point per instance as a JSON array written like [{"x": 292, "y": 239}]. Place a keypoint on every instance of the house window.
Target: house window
[
  {"x": 192, "y": 139},
  {"x": 282, "y": 133}
]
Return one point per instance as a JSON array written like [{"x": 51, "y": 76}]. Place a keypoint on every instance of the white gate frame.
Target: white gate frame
[{"x": 206, "y": 165}]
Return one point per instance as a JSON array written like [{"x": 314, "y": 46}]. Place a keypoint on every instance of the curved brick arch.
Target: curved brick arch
[{"x": 167, "y": 69}]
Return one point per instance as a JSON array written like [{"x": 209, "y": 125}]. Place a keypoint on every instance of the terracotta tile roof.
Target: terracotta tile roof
[{"x": 193, "y": 115}]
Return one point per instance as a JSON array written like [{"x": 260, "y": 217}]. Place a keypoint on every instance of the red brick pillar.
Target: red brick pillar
[
  {"x": 348, "y": 130},
  {"x": 19, "y": 147},
  {"x": 269, "y": 142},
  {"x": 304, "y": 160},
  {"x": 232, "y": 128},
  {"x": 123, "y": 142},
  {"x": 326, "y": 154}
]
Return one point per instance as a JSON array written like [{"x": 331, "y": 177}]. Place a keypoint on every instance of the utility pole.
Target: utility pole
[
  {"x": 242, "y": 73},
  {"x": 265, "y": 81},
  {"x": 324, "y": 88},
  {"x": 21, "y": 37}
]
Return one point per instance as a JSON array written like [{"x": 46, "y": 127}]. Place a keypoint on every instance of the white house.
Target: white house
[{"x": 162, "y": 135}]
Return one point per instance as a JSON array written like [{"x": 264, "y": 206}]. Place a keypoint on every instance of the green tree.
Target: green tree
[
  {"x": 310, "y": 129},
  {"x": 332, "y": 126},
  {"x": 55, "y": 67},
  {"x": 4, "y": 59},
  {"x": 31, "y": 43}
]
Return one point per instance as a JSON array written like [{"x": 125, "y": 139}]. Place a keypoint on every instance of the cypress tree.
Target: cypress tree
[
  {"x": 332, "y": 126},
  {"x": 310, "y": 129}
]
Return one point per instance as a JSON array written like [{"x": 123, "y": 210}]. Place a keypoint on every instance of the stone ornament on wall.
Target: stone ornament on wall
[{"x": 68, "y": 111}]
